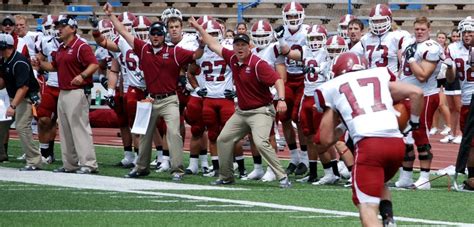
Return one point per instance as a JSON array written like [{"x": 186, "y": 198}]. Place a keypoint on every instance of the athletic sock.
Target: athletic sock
[
  {"x": 313, "y": 168},
  {"x": 295, "y": 158},
  {"x": 257, "y": 160},
  {"x": 203, "y": 158},
  {"x": 44, "y": 149},
  {"x": 194, "y": 162},
  {"x": 166, "y": 154},
  {"x": 470, "y": 172},
  {"x": 303, "y": 154},
  {"x": 335, "y": 169},
  {"x": 51, "y": 148},
  {"x": 215, "y": 163},
  {"x": 240, "y": 162},
  {"x": 349, "y": 168},
  {"x": 386, "y": 209},
  {"x": 408, "y": 169}
]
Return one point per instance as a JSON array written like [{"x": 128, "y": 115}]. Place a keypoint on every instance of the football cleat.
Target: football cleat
[
  {"x": 269, "y": 176},
  {"x": 291, "y": 168},
  {"x": 256, "y": 174},
  {"x": 327, "y": 179},
  {"x": 164, "y": 167},
  {"x": 301, "y": 169}
]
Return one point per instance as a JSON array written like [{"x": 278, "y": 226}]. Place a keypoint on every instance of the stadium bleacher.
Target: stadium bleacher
[{"x": 445, "y": 14}]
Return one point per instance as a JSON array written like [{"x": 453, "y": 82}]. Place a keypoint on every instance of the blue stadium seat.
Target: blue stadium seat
[
  {"x": 394, "y": 7},
  {"x": 414, "y": 6},
  {"x": 80, "y": 8},
  {"x": 39, "y": 21}
]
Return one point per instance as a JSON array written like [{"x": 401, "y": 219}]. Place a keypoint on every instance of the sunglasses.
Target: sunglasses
[
  {"x": 156, "y": 33},
  {"x": 8, "y": 24}
]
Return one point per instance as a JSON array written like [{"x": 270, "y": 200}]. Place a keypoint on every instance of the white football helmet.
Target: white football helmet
[
  {"x": 141, "y": 25},
  {"x": 335, "y": 46},
  {"x": 380, "y": 19},
  {"x": 467, "y": 24},
  {"x": 317, "y": 37},
  {"x": 127, "y": 19},
  {"x": 262, "y": 34},
  {"x": 47, "y": 26},
  {"x": 293, "y": 9},
  {"x": 169, "y": 13},
  {"x": 213, "y": 28},
  {"x": 106, "y": 28},
  {"x": 203, "y": 19},
  {"x": 343, "y": 25}
]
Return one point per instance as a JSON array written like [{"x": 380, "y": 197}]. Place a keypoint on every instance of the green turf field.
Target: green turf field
[{"x": 264, "y": 204}]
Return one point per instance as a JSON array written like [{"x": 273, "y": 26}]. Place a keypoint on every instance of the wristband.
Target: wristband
[
  {"x": 414, "y": 118},
  {"x": 84, "y": 76},
  {"x": 13, "y": 106},
  {"x": 281, "y": 99}
]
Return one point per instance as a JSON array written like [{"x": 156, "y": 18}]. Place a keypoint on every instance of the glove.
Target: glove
[
  {"x": 410, "y": 52},
  {"x": 110, "y": 101},
  {"x": 279, "y": 31},
  {"x": 94, "y": 21},
  {"x": 229, "y": 94},
  {"x": 202, "y": 92},
  {"x": 182, "y": 80}
]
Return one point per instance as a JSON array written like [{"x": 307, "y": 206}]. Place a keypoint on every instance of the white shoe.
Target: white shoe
[
  {"x": 422, "y": 184},
  {"x": 450, "y": 170},
  {"x": 327, "y": 179},
  {"x": 236, "y": 166},
  {"x": 164, "y": 167},
  {"x": 154, "y": 162},
  {"x": 405, "y": 179},
  {"x": 22, "y": 157},
  {"x": 433, "y": 131},
  {"x": 345, "y": 174},
  {"x": 445, "y": 131},
  {"x": 457, "y": 140},
  {"x": 256, "y": 174},
  {"x": 447, "y": 139},
  {"x": 269, "y": 176},
  {"x": 211, "y": 173},
  {"x": 348, "y": 183}
]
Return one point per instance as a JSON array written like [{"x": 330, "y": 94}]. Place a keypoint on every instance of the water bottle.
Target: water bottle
[{"x": 98, "y": 97}]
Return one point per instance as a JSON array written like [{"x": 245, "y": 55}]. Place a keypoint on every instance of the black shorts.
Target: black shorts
[
  {"x": 453, "y": 88},
  {"x": 441, "y": 82}
]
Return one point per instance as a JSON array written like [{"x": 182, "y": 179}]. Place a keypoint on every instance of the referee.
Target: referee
[{"x": 18, "y": 79}]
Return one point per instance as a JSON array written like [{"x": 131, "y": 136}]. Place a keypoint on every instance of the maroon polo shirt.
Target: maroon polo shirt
[
  {"x": 252, "y": 80},
  {"x": 71, "y": 60},
  {"x": 161, "y": 70}
]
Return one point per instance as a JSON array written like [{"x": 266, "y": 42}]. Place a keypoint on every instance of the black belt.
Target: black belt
[{"x": 162, "y": 96}]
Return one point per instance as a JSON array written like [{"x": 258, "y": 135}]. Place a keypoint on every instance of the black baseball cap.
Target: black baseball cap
[
  {"x": 242, "y": 37},
  {"x": 8, "y": 20},
  {"x": 157, "y": 28}
]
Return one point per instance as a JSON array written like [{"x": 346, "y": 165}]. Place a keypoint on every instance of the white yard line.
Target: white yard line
[
  {"x": 223, "y": 205},
  {"x": 147, "y": 211},
  {"x": 137, "y": 185}
]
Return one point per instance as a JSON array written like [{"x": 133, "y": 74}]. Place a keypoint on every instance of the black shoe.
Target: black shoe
[
  {"x": 301, "y": 169},
  {"x": 189, "y": 172},
  {"x": 137, "y": 174},
  {"x": 205, "y": 170},
  {"x": 125, "y": 166},
  {"x": 467, "y": 186},
  {"x": 4, "y": 160},
  {"x": 63, "y": 170},
  {"x": 290, "y": 169},
  {"x": 222, "y": 182},
  {"x": 29, "y": 168}
]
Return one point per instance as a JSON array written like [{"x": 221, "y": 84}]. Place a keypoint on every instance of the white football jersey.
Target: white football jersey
[
  {"x": 295, "y": 41},
  {"x": 460, "y": 55},
  {"x": 215, "y": 76},
  {"x": 320, "y": 60},
  {"x": 364, "y": 102},
  {"x": 271, "y": 54},
  {"x": 47, "y": 46},
  {"x": 382, "y": 51},
  {"x": 30, "y": 39},
  {"x": 132, "y": 74},
  {"x": 428, "y": 50},
  {"x": 189, "y": 42}
]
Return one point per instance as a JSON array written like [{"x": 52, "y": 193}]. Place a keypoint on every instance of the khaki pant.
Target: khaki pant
[
  {"x": 23, "y": 118},
  {"x": 257, "y": 121},
  {"x": 168, "y": 108},
  {"x": 77, "y": 149}
]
